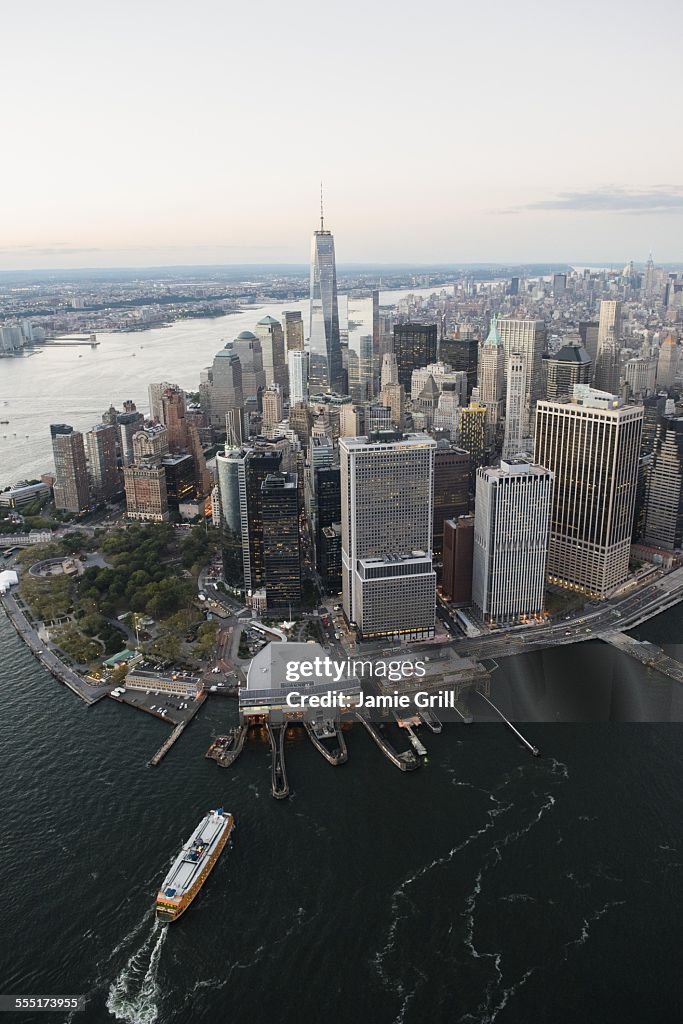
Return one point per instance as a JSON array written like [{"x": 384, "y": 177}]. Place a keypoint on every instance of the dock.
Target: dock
[
  {"x": 646, "y": 653},
  {"x": 226, "y": 749},
  {"x": 176, "y": 734},
  {"x": 534, "y": 750},
  {"x": 431, "y": 721},
  {"x": 319, "y": 731},
  {"x": 405, "y": 761},
  {"x": 279, "y": 783}
]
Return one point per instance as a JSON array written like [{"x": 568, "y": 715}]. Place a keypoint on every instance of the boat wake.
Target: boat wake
[{"x": 133, "y": 995}]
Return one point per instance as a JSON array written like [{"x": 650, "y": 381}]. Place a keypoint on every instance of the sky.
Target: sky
[{"x": 149, "y": 133}]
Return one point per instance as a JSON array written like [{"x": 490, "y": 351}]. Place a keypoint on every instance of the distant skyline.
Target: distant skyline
[{"x": 165, "y": 136}]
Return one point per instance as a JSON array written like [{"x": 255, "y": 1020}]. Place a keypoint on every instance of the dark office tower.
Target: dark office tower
[
  {"x": 462, "y": 354},
  {"x": 128, "y": 424},
  {"x": 514, "y": 286},
  {"x": 172, "y": 415},
  {"x": 559, "y": 285},
  {"x": 180, "y": 480},
  {"x": 326, "y": 374},
  {"x": 376, "y": 336},
  {"x": 458, "y": 555},
  {"x": 281, "y": 547},
  {"x": 561, "y": 371},
  {"x": 451, "y": 491},
  {"x": 664, "y": 512},
  {"x": 294, "y": 331},
  {"x": 260, "y": 463},
  {"x": 328, "y": 512},
  {"x": 414, "y": 346},
  {"x": 588, "y": 332},
  {"x": 473, "y": 437},
  {"x": 71, "y": 489},
  {"x": 104, "y": 474},
  {"x": 202, "y": 476},
  {"x": 654, "y": 407}
]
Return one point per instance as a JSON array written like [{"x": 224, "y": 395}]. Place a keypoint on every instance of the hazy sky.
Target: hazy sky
[{"x": 147, "y": 132}]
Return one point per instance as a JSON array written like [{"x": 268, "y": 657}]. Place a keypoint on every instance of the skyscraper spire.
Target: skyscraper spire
[{"x": 322, "y": 218}]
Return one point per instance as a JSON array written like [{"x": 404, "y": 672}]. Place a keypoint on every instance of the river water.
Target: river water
[
  {"x": 488, "y": 886},
  {"x": 77, "y": 384}
]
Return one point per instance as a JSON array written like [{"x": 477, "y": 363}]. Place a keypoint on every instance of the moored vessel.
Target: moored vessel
[{"x": 193, "y": 864}]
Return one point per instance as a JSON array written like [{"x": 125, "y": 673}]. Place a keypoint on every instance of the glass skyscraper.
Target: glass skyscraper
[{"x": 325, "y": 374}]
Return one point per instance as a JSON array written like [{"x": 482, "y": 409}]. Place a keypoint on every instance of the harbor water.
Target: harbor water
[{"x": 488, "y": 886}]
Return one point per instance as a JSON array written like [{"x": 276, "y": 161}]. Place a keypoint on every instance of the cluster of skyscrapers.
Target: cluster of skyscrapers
[{"x": 421, "y": 463}]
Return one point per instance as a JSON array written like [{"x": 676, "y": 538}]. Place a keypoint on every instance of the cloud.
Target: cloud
[{"x": 613, "y": 199}]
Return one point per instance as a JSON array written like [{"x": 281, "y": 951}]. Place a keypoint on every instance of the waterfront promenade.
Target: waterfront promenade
[{"x": 88, "y": 693}]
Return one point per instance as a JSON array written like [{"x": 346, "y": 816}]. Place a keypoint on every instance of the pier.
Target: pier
[
  {"x": 176, "y": 734},
  {"x": 534, "y": 750},
  {"x": 279, "y": 784},
  {"x": 319, "y": 731},
  {"x": 405, "y": 761},
  {"x": 431, "y": 721},
  {"x": 646, "y": 653}
]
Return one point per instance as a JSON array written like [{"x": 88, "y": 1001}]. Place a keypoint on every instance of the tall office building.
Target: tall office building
[
  {"x": 150, "y": 444},
  {"x": 101, "y": 444},
  {"x": 146, "y": 497},
  {"x": 272, "y": 338},
  {"x": 606, "y": 377},
  {"x": 462, "y": 354},
  {"x": 365, "y": 369},
  {"x": 155, "y": 391},
  {"x": 393, "y": 397},
  {"x": 294, "y": 330},
  {"x": 415, "y": 345},
  {"x": 451, "y": 491},
  {"x": 71, "y": 490},
  {"x": 458, "y": 555},
  {"x": 388, "y": 580},
  {"x": 588, "y": 332},
  {"x": 563, "y": 369},
  {"x": 640, "y": 374},
  {"x": 516, "y": 414},
  {"x": 442, "y": 374},
  {"x": 327, "y": 485},
  {"x": 526, "y": 338},
  {"x": 231, "y": 469},
  {"x": 297, "y": 361},
  {"x": 491, "y": 384},
  {"x": 472, "y": 436},
  {"x": 559, "y": 285},
  {"x": 272, "y": 408},
  {"x": 664, "y": 507},
  {"x": 128, "y": 423},
  {"x": 260, "y": 463},
  {"x": 173, "y": 418},
  {"x": 325, "y": 371},
  {"x": 389, "y": 371},
  {"x": 247, "y": 347},
  {"x": 281, "y": 545},
  {"x": 592, "y": 445},
  {"x": 511, "y": 529},
  {"x": 667, "y": 362},
  {"x": 222, "y": 391}
]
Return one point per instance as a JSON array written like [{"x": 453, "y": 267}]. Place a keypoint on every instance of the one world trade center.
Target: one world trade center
[{"x": 325, "y": 373}]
